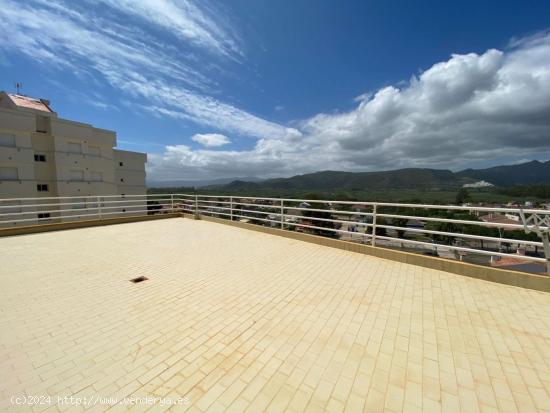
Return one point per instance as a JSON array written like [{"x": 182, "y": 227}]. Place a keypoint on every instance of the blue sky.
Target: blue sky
[{"x": 264, "y": 88}]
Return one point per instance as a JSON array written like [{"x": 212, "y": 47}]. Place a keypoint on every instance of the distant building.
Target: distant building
[
  {"x": 42, "y": 155},
  {"x": 512, "y": 217},
  {"x": 478, "y": 184},
  {"x": 518, "y": 264},
  {"x": 496, "y": 218}
]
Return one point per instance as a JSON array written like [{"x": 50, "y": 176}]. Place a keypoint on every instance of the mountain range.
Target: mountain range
[
  {"x": 199, "y": 183},
  {"x": 534, "y": 172}
]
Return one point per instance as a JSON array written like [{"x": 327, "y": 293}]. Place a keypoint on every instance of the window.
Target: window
[
  {"x": 9, "y": 174},
  {"x": 42, "y": 124},
  {"x": 121, "y": 164},
  {"x": 94, "y": 150},
  {"x": 42, "y": 187},
  {"x": 7, "y": 140},
  {"x": 96, "y": 176},
  {"x": 44, "y": 215},
  {"x": 73, "y": 147},
  {"x": 77, "y": 175},
  {"x": 39, "y": 158}
]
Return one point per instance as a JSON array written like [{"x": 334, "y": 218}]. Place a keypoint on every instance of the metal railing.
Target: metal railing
[
  {"x": 45, "y": 210},
  {"x": 449, "y": 231}
]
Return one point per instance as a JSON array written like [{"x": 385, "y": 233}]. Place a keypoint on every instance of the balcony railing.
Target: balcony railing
[
  {"x": 43, "y": 210},
  {"x": 449, "y": 231}
]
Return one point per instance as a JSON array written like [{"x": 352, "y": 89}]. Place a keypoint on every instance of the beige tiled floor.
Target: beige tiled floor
[{"x": 237, "y": 320}]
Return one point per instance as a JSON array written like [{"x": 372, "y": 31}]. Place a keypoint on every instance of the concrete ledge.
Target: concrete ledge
[
  {"x": 31, "y": 229},
  {"x": 498, "y": 275}
]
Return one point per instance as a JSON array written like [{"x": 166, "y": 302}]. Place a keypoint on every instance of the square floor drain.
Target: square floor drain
[{"x": 139, "y": 279}]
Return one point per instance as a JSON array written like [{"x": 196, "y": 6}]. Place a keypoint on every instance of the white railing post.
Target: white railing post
[
  {"x": 546, "y": 246},
  {"x": 373, "y": 238},
  {"x": 231, "y": 207},
  {"x": 98, "y": 207},
  {"x": 540, "y": 225},
  {"x": 172, "y": 201},
  {"x": 282, "y": 214},
  {"x": 196, "y": 206}
]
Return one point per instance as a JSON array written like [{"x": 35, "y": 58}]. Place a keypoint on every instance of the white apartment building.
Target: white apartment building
[{"x": 42, "y": 155}]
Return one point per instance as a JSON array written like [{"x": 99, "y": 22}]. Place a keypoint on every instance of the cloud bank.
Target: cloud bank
[{"x": 469, "y": 108}]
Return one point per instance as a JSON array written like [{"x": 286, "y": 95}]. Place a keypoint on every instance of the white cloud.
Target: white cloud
[
  {"x": 470, "y": 108},
  {"x": 129, "y": 59},
  {"x": 185, "y": 20},
  {"x": 211, "y": 139}
]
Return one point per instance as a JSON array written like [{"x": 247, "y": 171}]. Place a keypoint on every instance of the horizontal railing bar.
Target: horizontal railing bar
[
  {"x": 214, "y": 202},
  {"x": 215, "y": 213},
  {"x": 465, "y": 249},
  {"x": 461, "y": 235},
  {"x": 453, "y": 221},
  {"x": 147, "y": 212},
  {"x": 81, "y": 196},
  {"x": 242, "y": 210},
  {"x": 365, "y": 224},
  {"x": 257, "y": 205},
  {"x": 425, "y": 206},
  {"x": 331, "y": 211},
  {"x": 463, "y": 208},
  {"x": 54, "y": 218},
  {"x": 81, "y": 202},
  {"x": 135, "y": 200},
  {"x": 55, "y": 211}
]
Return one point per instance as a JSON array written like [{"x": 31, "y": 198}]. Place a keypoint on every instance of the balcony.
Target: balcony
[{"x": 233, "y": 319}]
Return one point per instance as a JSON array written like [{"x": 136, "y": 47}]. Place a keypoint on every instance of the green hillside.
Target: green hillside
[{"x": 534, "y": 172}]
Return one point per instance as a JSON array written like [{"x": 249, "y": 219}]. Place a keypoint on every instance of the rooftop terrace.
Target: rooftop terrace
[{"x": 238, "y": 320}]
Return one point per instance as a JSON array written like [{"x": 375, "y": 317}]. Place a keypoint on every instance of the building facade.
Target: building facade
[{"x": 42, "y": 155}]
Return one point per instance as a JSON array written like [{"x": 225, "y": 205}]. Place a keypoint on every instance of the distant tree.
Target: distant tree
[
  {"x": 442, "y": 227},
  {"x": 402, "y": 223},
  {"x": 541, "y": 191},
  {"x": 379, "y": 230},
  {"x": 153, "y": 207},
  {"x": 462, "y": 196},
  {"x": 307, "y": 213}
]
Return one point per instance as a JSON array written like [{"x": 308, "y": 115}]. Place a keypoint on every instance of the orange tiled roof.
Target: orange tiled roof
[
  {"x": 497, "y": 218},
  {"x": 30, "y": 103}
]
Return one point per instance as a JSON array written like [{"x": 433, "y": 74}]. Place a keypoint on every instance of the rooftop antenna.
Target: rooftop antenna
[
  {"x": 540, "y": 225},
  {"x": 18, "y": 86}
]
